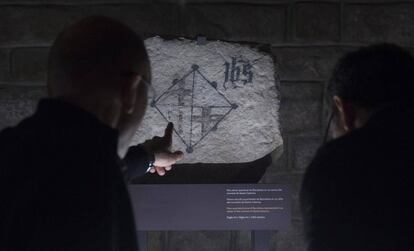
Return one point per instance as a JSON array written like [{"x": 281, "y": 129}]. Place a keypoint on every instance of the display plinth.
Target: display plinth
[{"x": 259, "y": 207}]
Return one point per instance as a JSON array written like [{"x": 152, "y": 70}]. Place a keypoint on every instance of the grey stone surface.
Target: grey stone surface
[
  {"x": 302, "y": 90},
  {"x": 222, "y": 98},
  {"x": 29, "y": 65},
  {"x": 261, "y": 23},
  {"x": 145, "y": 19},
  {"x": 37, "y": 25},
  {"x": 4, "y": 65},
  {"x": 33, "y": 25},
  {"x": 303, "y": 150},
  {"x": 307, "y": 63},
  {"x": 317, "y": 22},
  {"x": 299, "y": 116},
  {"x": 17, "y": 103},
  {"x": 379, "y": 23}
]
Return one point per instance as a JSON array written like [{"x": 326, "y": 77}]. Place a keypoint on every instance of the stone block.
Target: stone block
[
  {"x": 16, "y": 103},
  {"x": 364, "y": 23},
  {"x": 316, "y": 22},
  {"x": 221, "y": 96},
  {"x": 307, "y": 63},
  {"x": 29, "y": 65},
  {"x": 202, "y": 173},
  {"x": 252, "y": 23}
]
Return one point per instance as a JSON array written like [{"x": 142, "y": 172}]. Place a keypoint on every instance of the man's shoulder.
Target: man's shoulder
[
  {"x": 365, "y": 149},
  {"x": 336, "y": 163},
  {"x": 344, "y": 146},
  {"x": 6, "y": 138},
  {"x": 6, "y": 134},
  {"x": 21, "y": 131},
  {"x": 10, "y": 136},
  {"x": 18, "y": 145}
]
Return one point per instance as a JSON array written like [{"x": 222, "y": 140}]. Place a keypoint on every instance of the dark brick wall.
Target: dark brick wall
[{"x": 306, "y": 38}]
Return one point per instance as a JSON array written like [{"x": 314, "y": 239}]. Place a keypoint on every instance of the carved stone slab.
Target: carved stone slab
[{"x": 221, "y": 97}]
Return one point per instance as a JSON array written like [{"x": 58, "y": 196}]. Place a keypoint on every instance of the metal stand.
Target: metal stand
[
  {"x": 142, "y": 238},
  {"x": 260, "y": 240}
]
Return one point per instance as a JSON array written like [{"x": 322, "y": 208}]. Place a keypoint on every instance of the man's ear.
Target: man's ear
[
  {"x": 347, "y": 113},
  {"x": 129, "y": 93}
]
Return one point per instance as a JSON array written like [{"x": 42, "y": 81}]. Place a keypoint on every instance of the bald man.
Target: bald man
[{"x": 61, "y": 182}]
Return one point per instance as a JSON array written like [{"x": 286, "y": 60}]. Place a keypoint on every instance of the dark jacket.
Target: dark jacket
[
  {"x": 61, "y": 184},
  {"x": 357, "y": 194}
]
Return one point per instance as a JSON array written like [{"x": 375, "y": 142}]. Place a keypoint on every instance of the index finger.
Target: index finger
[{"x": 168, "y": 133}]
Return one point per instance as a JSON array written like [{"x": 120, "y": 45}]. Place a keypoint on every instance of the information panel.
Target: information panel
[{"x": 211, "y": 207}]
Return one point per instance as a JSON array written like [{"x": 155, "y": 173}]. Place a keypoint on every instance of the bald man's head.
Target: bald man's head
[
  {"x": 99, "y": 64},
  {"x": 99, "y": 46}
]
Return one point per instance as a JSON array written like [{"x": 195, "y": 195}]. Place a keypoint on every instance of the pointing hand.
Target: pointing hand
[{"x": 161, "y": 148}]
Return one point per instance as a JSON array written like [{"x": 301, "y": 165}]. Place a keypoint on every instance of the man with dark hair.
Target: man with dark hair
[
  {"x": 357, "y": 192},
  {"x": 61, "y": 182}
]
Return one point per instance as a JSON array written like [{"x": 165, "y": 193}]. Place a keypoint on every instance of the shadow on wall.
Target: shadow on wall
[{"x": 202, "y": 173}]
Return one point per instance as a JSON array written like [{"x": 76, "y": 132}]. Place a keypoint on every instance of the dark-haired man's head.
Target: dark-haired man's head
[
  {"x": 368, "y": 80},
  {"x": 102, "y": 65}
]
